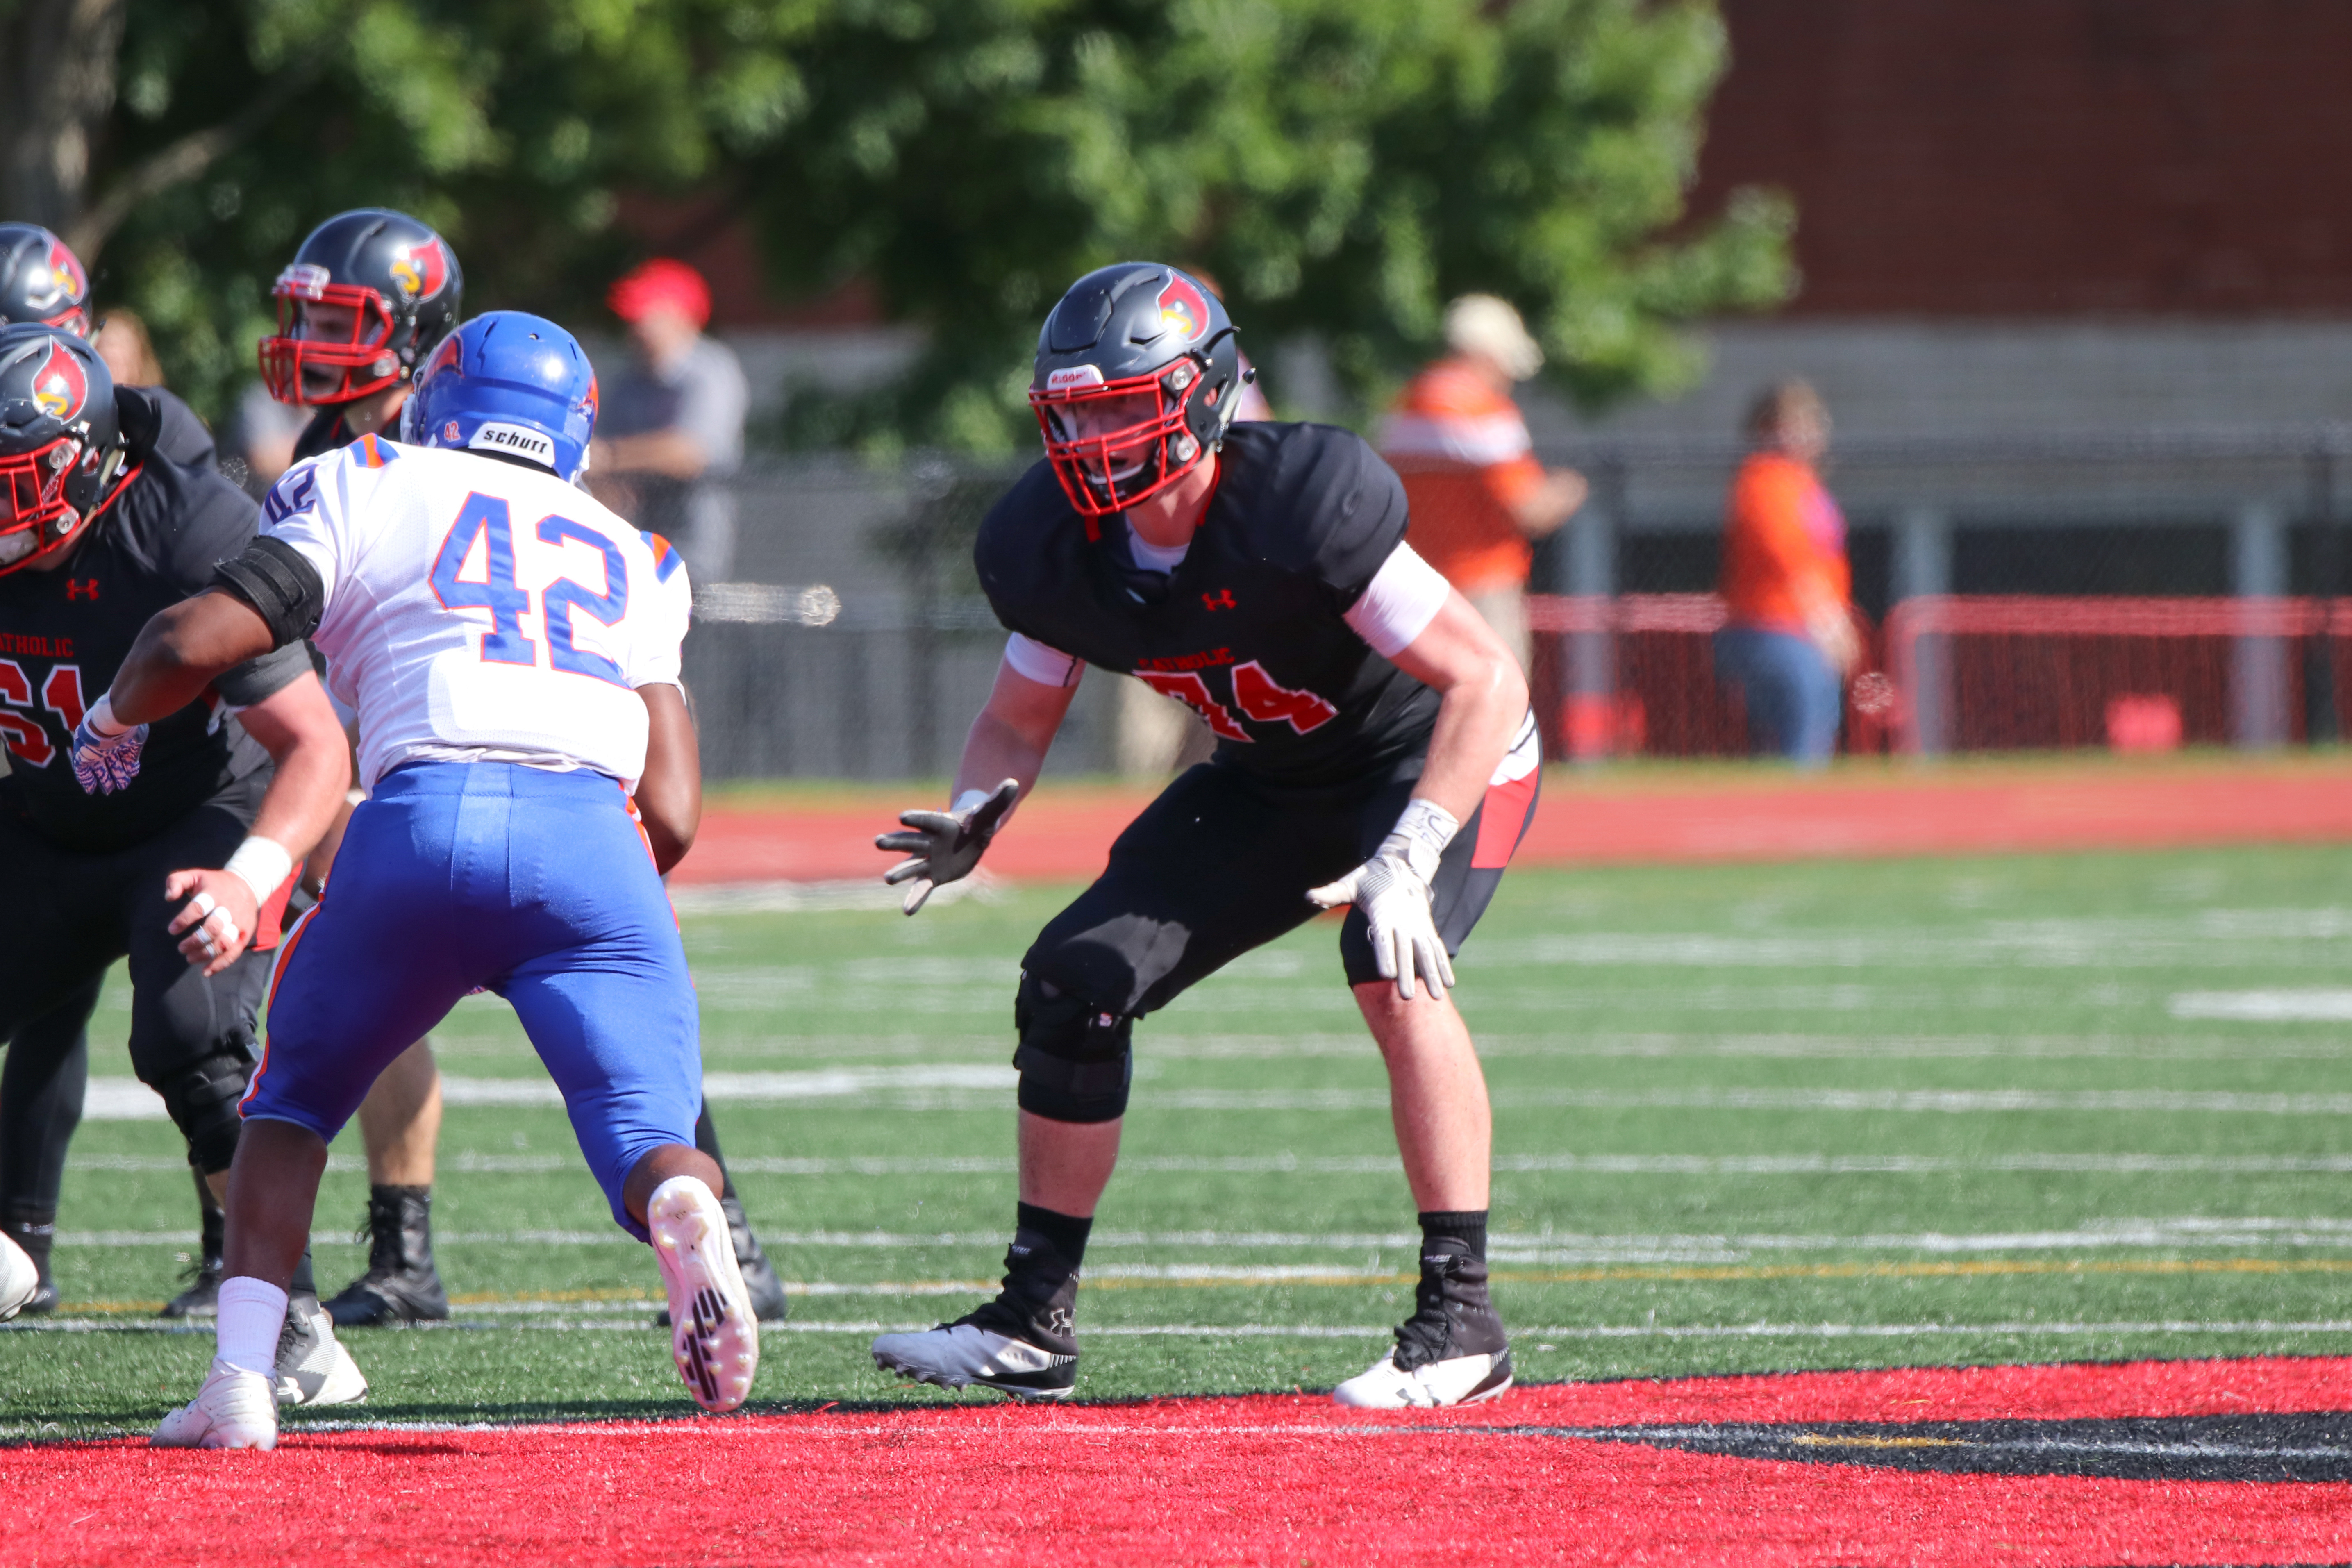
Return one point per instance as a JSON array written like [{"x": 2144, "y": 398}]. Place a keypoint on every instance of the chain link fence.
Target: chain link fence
[{"x": 852, "y": 640}]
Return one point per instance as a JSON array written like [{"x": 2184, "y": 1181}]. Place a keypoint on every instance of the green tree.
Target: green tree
[
  {"x": 1343, "y": 167},
  {"x": 206, "y": 137}
]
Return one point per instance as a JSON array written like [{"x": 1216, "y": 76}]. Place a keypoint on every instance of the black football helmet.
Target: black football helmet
[
  {"x": 62, "y": 458},
  {"x": 1139, "y": 372},
  {"x": 367, "y": 297},
  {"x": 41, "y": 280}
]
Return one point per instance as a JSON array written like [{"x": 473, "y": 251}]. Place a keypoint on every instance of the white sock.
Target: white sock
[{"x": 252, "y": 1311}]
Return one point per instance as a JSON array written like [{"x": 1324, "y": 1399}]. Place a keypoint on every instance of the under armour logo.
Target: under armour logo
[
  {"x": 1222, "y": 599},
  {"x": 80, "y": 588},
  {"x": 1060, "y": 1322}
]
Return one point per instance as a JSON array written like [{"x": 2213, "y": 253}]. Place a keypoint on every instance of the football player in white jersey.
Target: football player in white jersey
[{"x": 511, "y": 648}]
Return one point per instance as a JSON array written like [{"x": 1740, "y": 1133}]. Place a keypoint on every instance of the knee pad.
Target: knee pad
[
  {"x": 201, "y": 1100},
  {"x": 1075, "y": 1059}
]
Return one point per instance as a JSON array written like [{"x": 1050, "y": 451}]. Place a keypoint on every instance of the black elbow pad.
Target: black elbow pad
[{"x": 280, "y": 583}]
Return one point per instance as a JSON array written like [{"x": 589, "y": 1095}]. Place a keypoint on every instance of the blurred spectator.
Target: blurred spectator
[
  {"x": 671, "y": 428},
  {"x": 1478, "y": 496},
  {"x": 1786, "y": 583},
  {"x": 130, "y": 355},
  {"x": 262, "y": 433}
]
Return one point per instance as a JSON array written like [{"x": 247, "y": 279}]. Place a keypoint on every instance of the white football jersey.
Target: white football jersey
[{"x": 478, "y": 610}]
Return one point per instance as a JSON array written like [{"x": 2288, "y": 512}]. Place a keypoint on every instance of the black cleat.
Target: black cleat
[
  {"x": 401, "y": 1285},
  {"x": 1452, "y": 1350},
  {"x": 1024, "y": 1343},
  {"x": 761, "y": 1285}
]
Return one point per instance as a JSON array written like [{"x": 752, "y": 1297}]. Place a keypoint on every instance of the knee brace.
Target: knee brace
[
  {"x": 1075, "y": 1059},
  {"x": 202, "y": 1101}
]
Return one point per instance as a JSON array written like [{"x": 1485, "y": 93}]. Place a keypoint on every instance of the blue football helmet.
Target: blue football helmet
[{"x": 508, "y": 383}]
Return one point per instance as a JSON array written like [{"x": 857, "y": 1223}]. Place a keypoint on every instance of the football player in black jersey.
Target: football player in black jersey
[
  {"x": 43, "y": 283},
  {"x": 1375, "y": 750},
  {"x": 98, "y": 530},
  {"x": 365, "y": 300}
]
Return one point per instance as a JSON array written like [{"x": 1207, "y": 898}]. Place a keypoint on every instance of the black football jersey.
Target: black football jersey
[
  {"x": 1248, "y": 630},
  {"x": 64, "y": 633}
]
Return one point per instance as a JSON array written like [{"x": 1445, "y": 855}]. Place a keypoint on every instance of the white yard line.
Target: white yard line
[
  {"x": 473, "y": 1162},
  {"x": 2189, "y": 1232},
  {"x": 1535, "y": 1338}
]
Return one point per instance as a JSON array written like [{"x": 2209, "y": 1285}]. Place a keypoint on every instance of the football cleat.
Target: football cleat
[
  {"x": 1024, "y": 1344},
  {"x": 20, "y": 1278},
  {"x": 201, "y": 1298},
  {"x": 1452, "y": 1350},
  {"x": 313, "y": 1367},
  {"x": 713, "y": 1334},
  {"x": 761, "y": 1284},
  {"x": 964, "y": 1353},
  {"x": 401, "y": 1285},
  {"x": 234, "y": 1409}
]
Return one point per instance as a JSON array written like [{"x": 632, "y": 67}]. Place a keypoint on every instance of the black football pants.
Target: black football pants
[
  {"x": 65, "y": 917},
  {"x": 1221, "y": 863}
]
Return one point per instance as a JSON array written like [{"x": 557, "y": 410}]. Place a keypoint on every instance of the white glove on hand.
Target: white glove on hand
[
  {"x": 1392, "y": 889},
  {"x": 946, "y": 845},
  {"x": 105, "y": 754}
]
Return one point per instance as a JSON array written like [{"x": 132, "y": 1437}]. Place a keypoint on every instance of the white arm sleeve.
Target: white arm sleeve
[
  {"x": 1032, "y": 660},
  {"x": 1403, "y": 596}
]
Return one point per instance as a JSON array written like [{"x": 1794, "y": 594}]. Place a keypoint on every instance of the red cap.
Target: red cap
[{"x": 658, "y": 283}]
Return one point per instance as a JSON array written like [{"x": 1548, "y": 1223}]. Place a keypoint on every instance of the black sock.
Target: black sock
[
  {"x": 36, "y": 1231},
  {"x": 1465, "y": 1225},
  {"x": 1067, "y": 1232},
  {"x": 387, "y": 1193},
  {"x": 706, "y": 1138},
  {"x": 302, "y": 1284}
]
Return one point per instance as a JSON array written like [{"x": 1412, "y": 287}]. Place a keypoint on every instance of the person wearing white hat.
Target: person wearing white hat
[{"x": 1478, "y": 496}]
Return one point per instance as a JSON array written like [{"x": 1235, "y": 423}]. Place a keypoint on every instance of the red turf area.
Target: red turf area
[
  {"x": 1066, "y": 832},
  {"x": 1266, "y": 1480}
]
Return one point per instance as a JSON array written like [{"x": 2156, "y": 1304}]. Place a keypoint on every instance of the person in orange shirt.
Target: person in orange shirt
[
  {"x": 1790, "y": 641},
  {"x": 1476, "y": 493}
]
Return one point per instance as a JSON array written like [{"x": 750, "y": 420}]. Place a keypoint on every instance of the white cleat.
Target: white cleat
[
  {"x": 18, "y": 1278},
  {"x": 959, "y": 1354},
  {"x": 1463, "y": 1380},
  {"x": 712, "y": 1332},
  {"x": 313, "y": 1367},
  {"x": 234, "y": 1409}
]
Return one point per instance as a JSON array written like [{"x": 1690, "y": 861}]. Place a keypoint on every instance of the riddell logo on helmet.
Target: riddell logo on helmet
[
  {"x": 61, "y": 387},
  {"x": 1181, "y": 309},
  {"x": 422, "y": 269},
  {"x": 497, "y": 436},
  {"x": 305, "y": 281},
  {"x": 1071, "y": 377}
]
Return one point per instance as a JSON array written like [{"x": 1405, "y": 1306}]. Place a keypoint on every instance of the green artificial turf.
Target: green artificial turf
[{"x": 1763, "y": 1104}]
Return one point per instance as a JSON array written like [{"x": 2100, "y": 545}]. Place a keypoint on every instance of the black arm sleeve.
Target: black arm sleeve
[
  {"x": 259, "y": 679},
  {"x": 280, "y": 583}
]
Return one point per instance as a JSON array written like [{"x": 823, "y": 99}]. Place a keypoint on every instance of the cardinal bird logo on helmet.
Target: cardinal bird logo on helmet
[
  {"x": 423, "y": 269},
  {"x": 67, "y": 287},
  {"x": 61, "y": 387},
  {"x": 1181, "y": 309}
]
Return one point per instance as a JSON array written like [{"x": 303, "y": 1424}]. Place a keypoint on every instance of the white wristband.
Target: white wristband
[
  {"x": 263, "y": 863},
  {"x": 101, "y": 718},
  {"x": 968, "y": 801},
  {"x": 1421, "y": 835}
]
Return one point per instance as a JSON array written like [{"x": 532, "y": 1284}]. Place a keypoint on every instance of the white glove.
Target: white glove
[
  {"x": 106, "y": 754},
  {"x": 946, "y": 845},
  {"x": 1392, "y": 889}
]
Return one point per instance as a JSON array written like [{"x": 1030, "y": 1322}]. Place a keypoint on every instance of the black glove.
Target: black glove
[{"x": 946, "y": 845}]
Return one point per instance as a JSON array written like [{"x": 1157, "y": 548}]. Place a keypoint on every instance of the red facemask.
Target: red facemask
[
  {"x": 1113, "y": 444},
  {"x": 33, "y": 504},
  {"x": 313, "y": 370}
]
